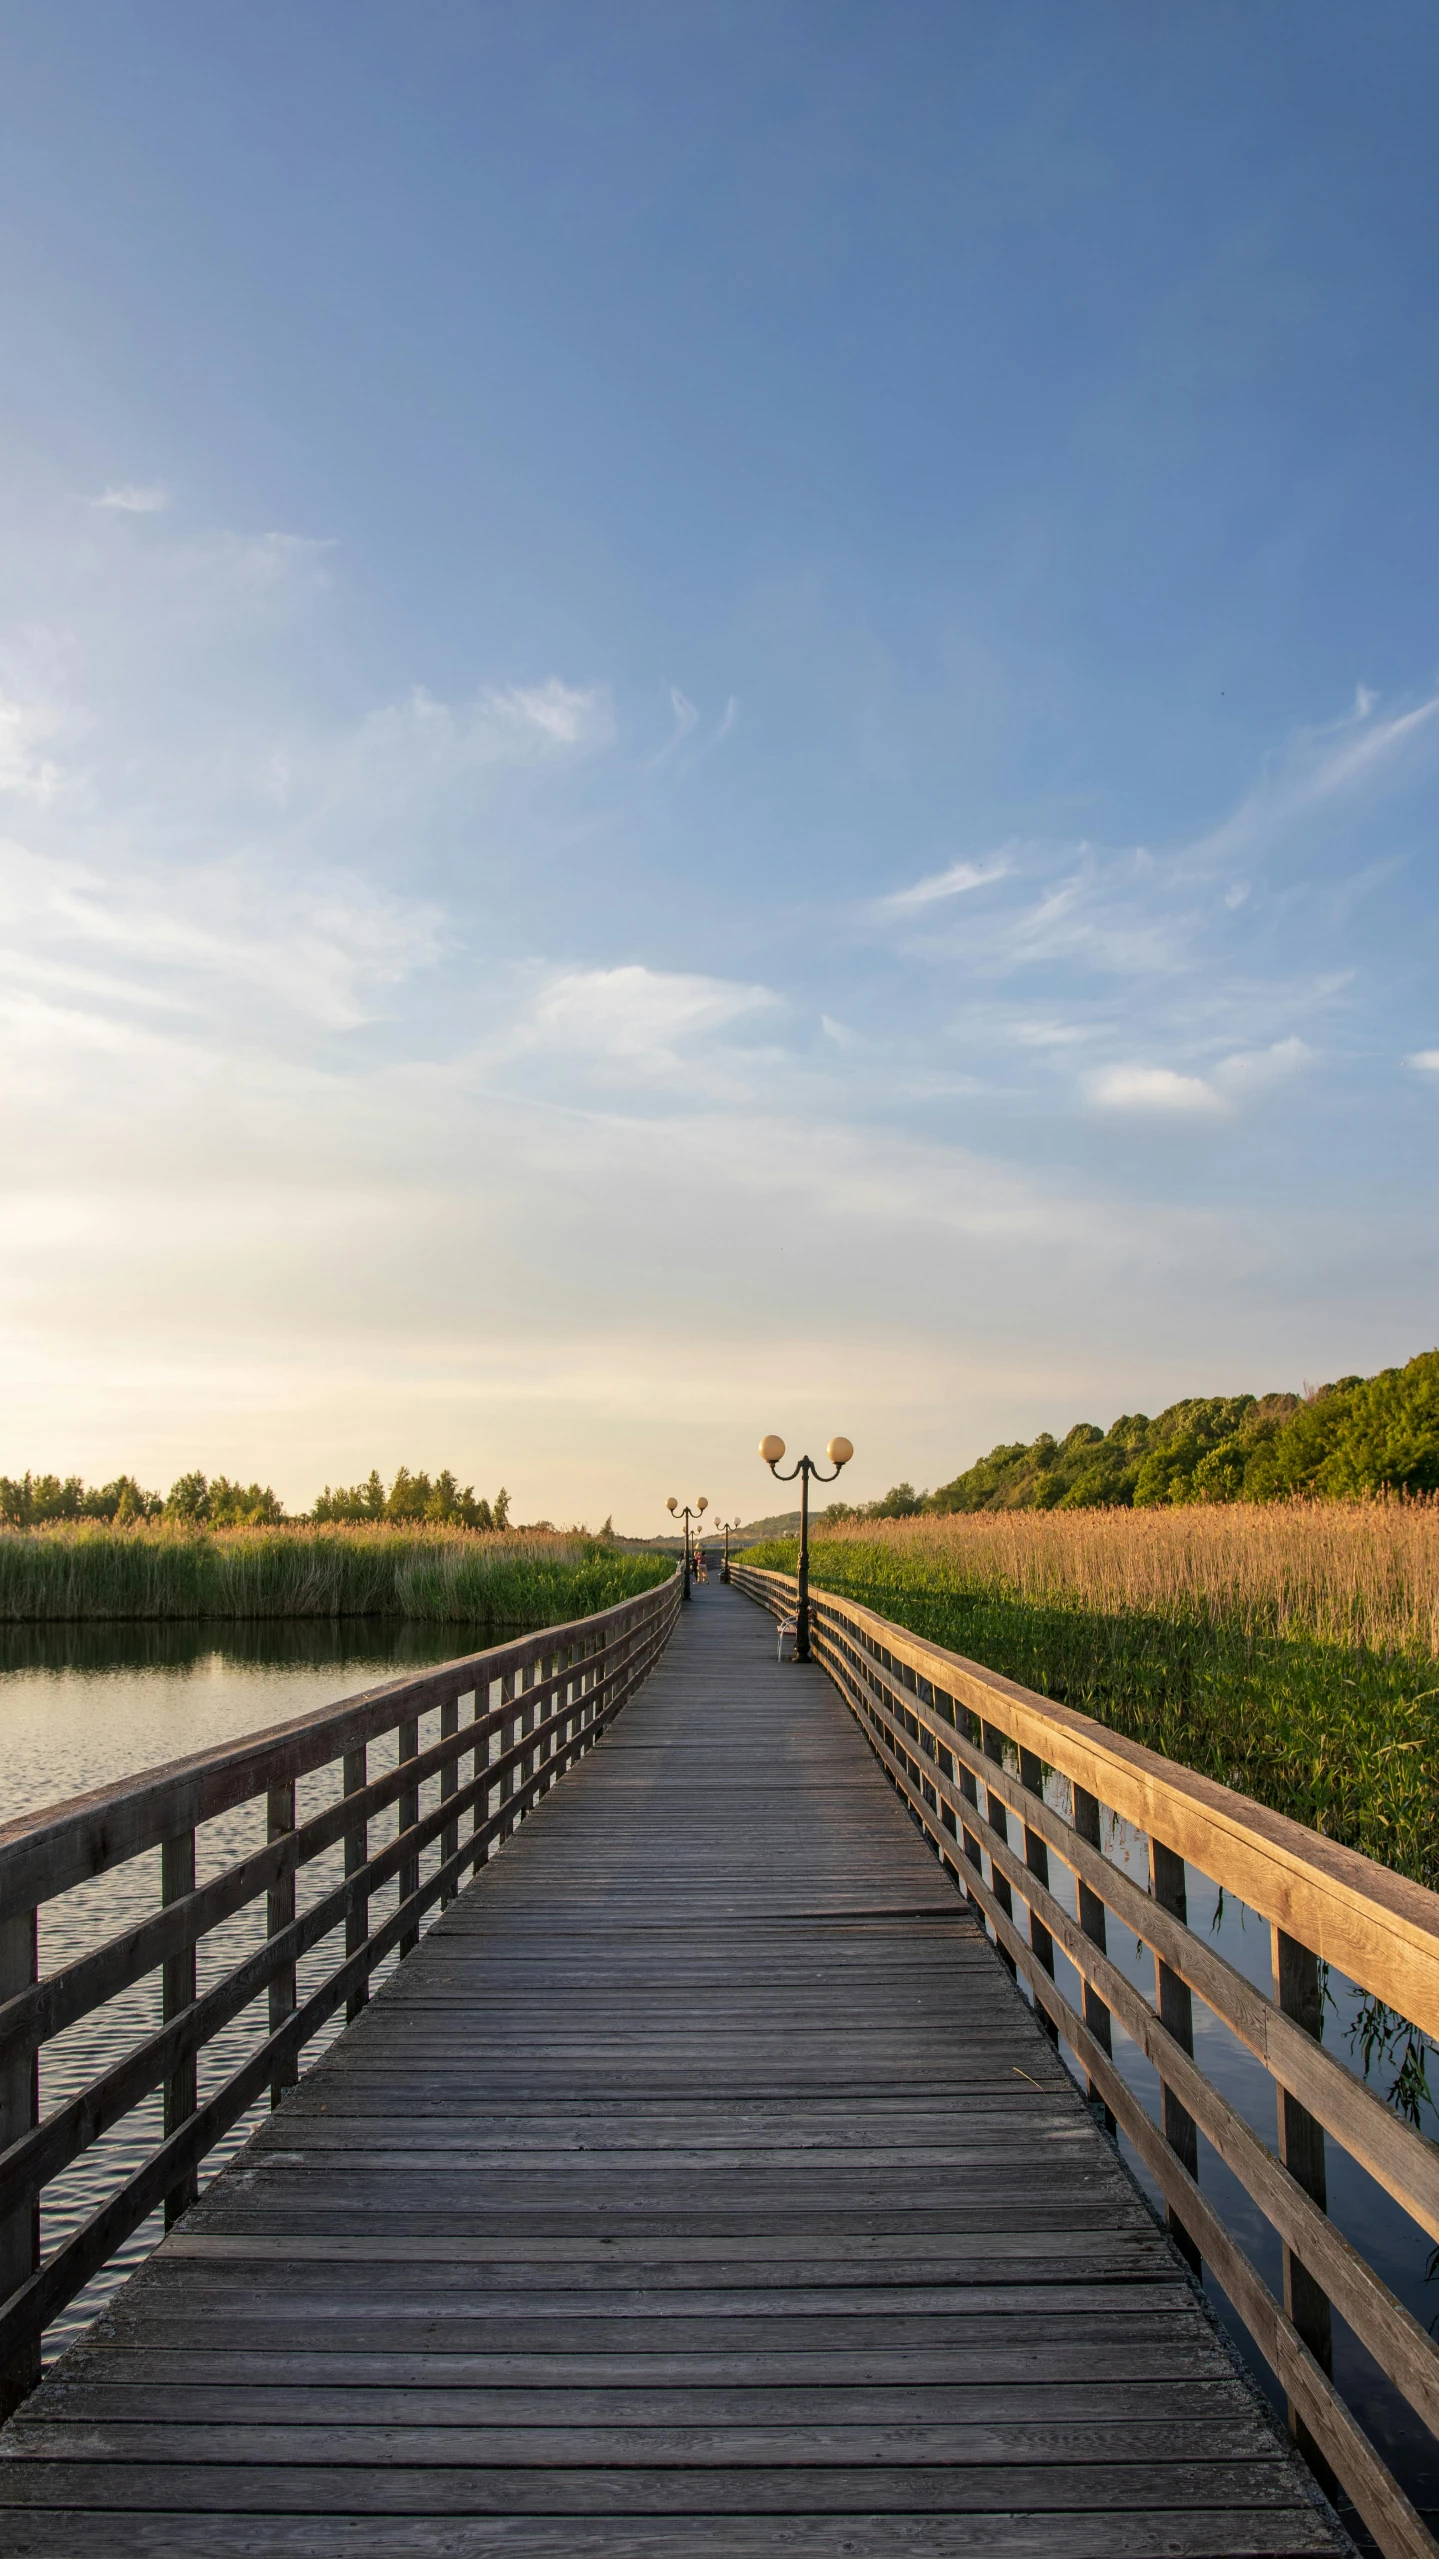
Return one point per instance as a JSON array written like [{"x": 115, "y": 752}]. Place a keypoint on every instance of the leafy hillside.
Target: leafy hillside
[{"x": 1359, "y": 1435}]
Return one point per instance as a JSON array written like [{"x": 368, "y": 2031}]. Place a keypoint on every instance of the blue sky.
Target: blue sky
[{"x": 710, "y": 720}]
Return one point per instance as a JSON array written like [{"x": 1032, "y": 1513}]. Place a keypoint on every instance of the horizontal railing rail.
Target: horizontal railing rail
[
  {"x": 535, "y": 1706},
  {"x": 945, "y": 1730}
]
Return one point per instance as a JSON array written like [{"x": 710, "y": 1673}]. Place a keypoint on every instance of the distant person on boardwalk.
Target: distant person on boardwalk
[{"x": 700, "y": 1573}]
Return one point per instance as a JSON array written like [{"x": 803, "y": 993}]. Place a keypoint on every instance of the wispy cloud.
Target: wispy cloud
[
  {"x": 956, "y": 881},
  {"x": 634, "y": 1018},
  {"x": 506, "y": 723},
  {"x": 558, "y": 714},
  {"x": 321, "y": 948},
  {"x": 1426, "y": 1059},
  {"x": 1323, "y": 764},
  {"x": 130, "y": 498},
  {"x": 26, "y": 730}
]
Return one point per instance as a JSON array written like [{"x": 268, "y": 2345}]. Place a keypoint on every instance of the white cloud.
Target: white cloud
[
  {"x": 1426, "y": 1059},
  {"x": 131, "y": 499},
  {"x": 1160, "y": 1089},
  {"x": 1154, "y": 1089},
  {"x": 955, "y": 882},
  {"x": 560, "y": 714},
  {"x": 1253, "y": 1070},
  {"x": 634, "y": 1015}
]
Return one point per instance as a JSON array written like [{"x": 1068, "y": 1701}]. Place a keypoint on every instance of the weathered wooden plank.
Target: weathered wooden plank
[
  {"x": 232, "y": 2402},
  {"x": 1057, "y": 2436},
  {"x": 1167, "y": 2344},
  {"x": 1197, "y": 2534},
  {"x": 203, "y": 2487}
]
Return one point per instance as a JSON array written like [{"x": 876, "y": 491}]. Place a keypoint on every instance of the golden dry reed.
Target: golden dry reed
[{"x": 1362, "y": 1573}]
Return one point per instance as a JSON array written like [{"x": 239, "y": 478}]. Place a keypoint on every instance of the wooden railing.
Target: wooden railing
[
  {"x": 533, "y": 1707},
  {"x": 968, "y": 1752}
]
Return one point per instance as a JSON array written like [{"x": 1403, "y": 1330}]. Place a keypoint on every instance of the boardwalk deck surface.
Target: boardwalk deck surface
[{"x": 701, "y": 2185}]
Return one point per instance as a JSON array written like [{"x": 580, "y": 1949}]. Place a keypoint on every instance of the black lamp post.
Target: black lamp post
[
  {"x": 839, "y": 1452},
  {"x": 687, "y": 1515},
  {"x": 726, "y": 1525}
]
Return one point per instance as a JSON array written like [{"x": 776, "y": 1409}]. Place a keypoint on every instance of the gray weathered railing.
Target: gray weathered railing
[
  {"x": 534, "y": 1707},
  {"x": 968, "y": 1750}
]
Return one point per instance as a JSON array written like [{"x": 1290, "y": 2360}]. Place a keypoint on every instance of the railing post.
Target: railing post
[
  {"x": 449, "y": 1785},
  {"x": 1299, "y": 1990},
  {"x": 1092, "y": 1921},
  {"x": 484, "y": 1702},
  {"x": 509, "y": 1735},
  {"x": 1036, "y": 1858},
  {"x": 177, "y": 1993},
  {"x": 969, "y": 1789},
  {"x": 19, "y": 2113},
  {"x": 1176, "y": 2012},
  {"x": 354, "y": 1780},
  {"x": 406, "y": 1816},
  {"x": 530, "y": 1763},
  {"x": 279, "y": 1914},
  {"x": 596, "y": 1680},
  {"x": 993, "y": 1745},
  {"x": 548, "y": 1664}
]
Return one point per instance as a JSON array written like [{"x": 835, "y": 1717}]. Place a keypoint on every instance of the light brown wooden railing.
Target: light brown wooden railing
[
  {"x": 967, "y": 1750},
  {"x": 534, "y": 1707}
]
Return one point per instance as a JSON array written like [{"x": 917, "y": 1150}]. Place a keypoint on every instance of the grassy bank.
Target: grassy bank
[
  {"x": 434, "y": 1575},
  {"x": 1289, "y": 1650}
]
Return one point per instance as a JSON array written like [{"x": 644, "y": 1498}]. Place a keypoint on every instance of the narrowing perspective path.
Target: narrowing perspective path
[{"x": 701, "y": 2184}]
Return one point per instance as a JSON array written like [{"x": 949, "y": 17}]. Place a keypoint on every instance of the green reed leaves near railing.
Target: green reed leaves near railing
[
  {"x": 1291, "y": 1657},
  {"x": 437, "y": 1576}
]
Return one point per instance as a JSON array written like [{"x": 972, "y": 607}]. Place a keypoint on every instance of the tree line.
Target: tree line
[
  {"x": 197, "y": 1500},
  {"x": 1357, "y": 1435}
]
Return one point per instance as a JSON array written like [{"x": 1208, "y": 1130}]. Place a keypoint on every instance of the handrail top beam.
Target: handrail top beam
[
  {"x": 58, "y": 1846},
  {"x": 1378, "y": 1927}
]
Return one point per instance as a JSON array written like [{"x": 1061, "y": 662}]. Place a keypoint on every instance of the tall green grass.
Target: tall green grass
[
  {"x": 435, "y": 1576},
  {"x": 1341, "y": 1734}
]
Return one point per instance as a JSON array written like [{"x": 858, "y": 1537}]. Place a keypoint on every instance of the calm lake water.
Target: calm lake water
[{"x": 82, "y": 1705}]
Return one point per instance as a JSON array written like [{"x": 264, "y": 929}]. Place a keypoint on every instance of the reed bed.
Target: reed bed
[
  {"x": 1288, "y": 1649},
  {"x": 1362, "y": 1572},
  {"x": 434, "y": 1575}
]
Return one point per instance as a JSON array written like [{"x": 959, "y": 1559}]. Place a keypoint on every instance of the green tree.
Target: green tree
[{"x": 243, "y": 1505}]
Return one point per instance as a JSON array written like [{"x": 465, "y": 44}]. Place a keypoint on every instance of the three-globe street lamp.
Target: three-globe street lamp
[
  {"x": 726, "y": 1525},
  {"x": 687, "y": 1515},
  {"x": 839, "y": 1452}
]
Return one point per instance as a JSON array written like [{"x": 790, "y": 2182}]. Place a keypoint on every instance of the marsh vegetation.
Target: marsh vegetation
[{"x": 426, "y": 1574}]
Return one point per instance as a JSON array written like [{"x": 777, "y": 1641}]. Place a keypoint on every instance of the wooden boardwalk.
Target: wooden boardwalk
[{"x": 700, "y": 2185}]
